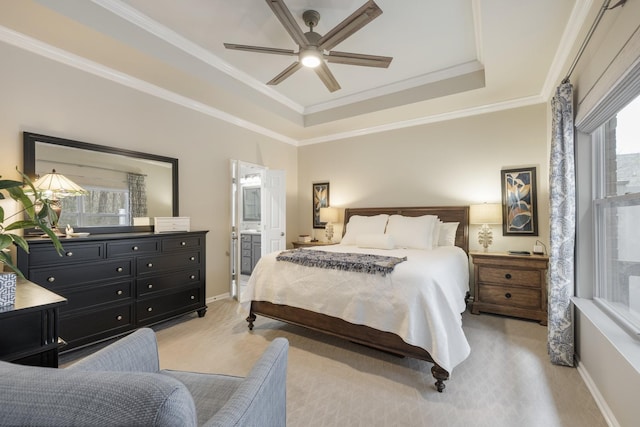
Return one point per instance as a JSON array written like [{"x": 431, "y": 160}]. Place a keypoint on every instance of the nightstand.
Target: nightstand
[
  {"x": 512, "y": 285},
  {"x": 307, "y": 244}
]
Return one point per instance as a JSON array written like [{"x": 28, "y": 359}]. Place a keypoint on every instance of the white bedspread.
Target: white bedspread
[{"x": 421, "y": 300}]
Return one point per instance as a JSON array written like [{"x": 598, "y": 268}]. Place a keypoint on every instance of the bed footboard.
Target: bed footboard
[{"x": 365, "y": 335}]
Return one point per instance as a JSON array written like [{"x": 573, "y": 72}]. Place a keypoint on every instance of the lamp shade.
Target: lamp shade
[
  {"x": 328, "y": 215},
  {"x": 486, "y": 213},
  {"x": 54, "y": 186}
]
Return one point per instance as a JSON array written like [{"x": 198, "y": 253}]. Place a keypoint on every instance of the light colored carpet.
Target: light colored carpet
[{"x": 506, "y": 381}]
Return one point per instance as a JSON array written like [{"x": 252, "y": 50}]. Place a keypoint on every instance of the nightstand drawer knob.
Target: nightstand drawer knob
[
  {"x": 51, "y": 279},
  {"x": 119, "y": 269},
  {"x": 150, "y": 265},
  {"x": 135, "y": 248},
  {"x": 507, "y": 276},
  {"x": 183, "y": 243},
  {"x": 119, "y": 292},
  {"x": 119, "y": 318},
  {"x": 149, "y": 286},
  {"x": 150, "y": 309},
  {"x": 69, "y": 253},
  {"x": 192, "y": 277},
  {"x": 192, "y": 258},
  {"x": 507, "y": 295}
]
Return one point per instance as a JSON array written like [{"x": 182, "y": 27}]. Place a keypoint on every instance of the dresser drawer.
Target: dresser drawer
[
  {"x": 509, "y": 276},
  {"x": 57, "y": 277},
  {"x": 132, "y": 247},
  {"x": 88, "y": 296},
  {"x": 92, "y": 325},
  {"x": 159, "y": 263},
  {"x": 181, "y": 243},
  {"x": 508, "y": 296},
  {"x": 182, "y": 301},
  {"x": 73, "y": 252},
  {"x": 155, "y": 284}
]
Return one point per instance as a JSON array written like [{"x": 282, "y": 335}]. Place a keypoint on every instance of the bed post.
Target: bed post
[
  {"x": 251, "y": 318},
  {"x": 440, "y": 375}
]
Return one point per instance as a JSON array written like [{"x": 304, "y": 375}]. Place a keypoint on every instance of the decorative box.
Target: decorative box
[
  {"x": 8, "y": 289},
  {"x": 163, "y": 224}
]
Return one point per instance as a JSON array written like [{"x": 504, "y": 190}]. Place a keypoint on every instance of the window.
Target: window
[
  {"x": 103, "y": 207},
  {"x": 617, "y": 215}
]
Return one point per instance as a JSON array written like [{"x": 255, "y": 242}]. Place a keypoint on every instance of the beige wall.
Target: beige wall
[
  {"x": 455, "y": 162},
  {"x": 43, "y": 96}
]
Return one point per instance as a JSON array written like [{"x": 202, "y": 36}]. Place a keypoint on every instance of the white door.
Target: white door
[
  {"x": 272, "y": 222},
  {"x": 274, "y": 237}
]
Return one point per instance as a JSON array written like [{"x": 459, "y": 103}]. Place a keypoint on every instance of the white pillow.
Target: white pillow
[
  {"x": 359, "y": 225},
  {"x": 375, "y": 241},
  {"x": 435, "y": 238},
  {"x": 412, "y": 232},
  {"x": 448, "y": 233}
]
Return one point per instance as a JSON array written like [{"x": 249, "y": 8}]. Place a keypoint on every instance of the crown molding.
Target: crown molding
[
  {"x": 39, "y": 48},
  {"x": 474, "y": 111}
]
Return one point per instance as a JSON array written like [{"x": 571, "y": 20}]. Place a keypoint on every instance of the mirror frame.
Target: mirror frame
[{"x": 29, "y": 168}]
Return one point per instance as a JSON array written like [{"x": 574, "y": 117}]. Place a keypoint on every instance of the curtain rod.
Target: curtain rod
[{"x": 603, "y": 9}]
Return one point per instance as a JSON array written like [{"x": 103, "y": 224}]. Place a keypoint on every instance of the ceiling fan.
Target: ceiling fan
[{"x": 313, "y": 47}]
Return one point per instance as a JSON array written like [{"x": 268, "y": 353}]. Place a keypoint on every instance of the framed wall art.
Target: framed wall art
[
  {"x": 519, "y": 202},
  {"x": 320, "y": 200}
]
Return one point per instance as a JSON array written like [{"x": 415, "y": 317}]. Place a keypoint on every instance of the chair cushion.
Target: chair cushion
[
  {"x": 45, "y": 396},
  {"x": 210, "y": 392}
]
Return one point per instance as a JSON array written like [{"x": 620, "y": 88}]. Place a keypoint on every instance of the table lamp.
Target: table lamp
[
  {"x": 485, "y": 214},
  {"x": 328, "y": 215},
  {"x": 55, "y": 186}
]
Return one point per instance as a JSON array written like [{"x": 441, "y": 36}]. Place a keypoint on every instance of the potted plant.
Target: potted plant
[{"x": 36, "y": 212}]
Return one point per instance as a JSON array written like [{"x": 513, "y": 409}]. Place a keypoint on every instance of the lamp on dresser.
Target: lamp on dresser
[
  {"x": 53, "y": 187},
  {"x": 328, "y": 215},
  {"x": 485, "y": 214}
]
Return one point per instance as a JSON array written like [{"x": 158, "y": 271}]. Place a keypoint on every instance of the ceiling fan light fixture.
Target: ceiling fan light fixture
[{"x": 310, "y": 58}]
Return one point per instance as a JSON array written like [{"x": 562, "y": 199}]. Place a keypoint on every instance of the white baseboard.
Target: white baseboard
[
  {"x": 218, "y": 297},
  {"x": 602, "y": 404}
]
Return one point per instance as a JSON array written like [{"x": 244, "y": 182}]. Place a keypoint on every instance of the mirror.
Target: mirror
[
  {"x": 251, "y": 204},
  {"x": 127, "y": 189}
]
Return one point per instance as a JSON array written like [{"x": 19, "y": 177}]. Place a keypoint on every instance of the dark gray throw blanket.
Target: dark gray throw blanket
[{"x": 362, "y": 263}]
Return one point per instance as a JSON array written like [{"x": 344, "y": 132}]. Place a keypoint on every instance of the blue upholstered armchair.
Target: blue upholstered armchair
[{"x": 122, "y": 385}]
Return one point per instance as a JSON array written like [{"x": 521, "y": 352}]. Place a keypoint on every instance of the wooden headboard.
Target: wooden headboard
[{"x": 445, "y": 213}]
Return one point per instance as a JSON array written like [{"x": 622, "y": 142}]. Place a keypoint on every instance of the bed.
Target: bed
[{"x": 383, "y": 311}]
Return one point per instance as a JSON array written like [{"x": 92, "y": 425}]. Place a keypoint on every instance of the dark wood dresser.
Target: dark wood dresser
[
  {"x": 115, "y": 283},
  {"x": 513, "y": 285},
  {"x": 29, "y": 328}
]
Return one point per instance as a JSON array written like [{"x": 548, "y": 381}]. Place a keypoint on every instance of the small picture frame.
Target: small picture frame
[
  {"x": 320, "y": 200},
  {"x": 519, "y": 202}
]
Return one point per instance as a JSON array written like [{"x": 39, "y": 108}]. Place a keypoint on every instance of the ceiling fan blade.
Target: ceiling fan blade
[
  {"x": 326, "y": 76},
  {"x": 359, "y": 59},
  {"x": 259, "y": 49},
  {"x": 286, "y": 73},
  {"x": 288, "y": 21},
  {"x": 358, "y": 19}
]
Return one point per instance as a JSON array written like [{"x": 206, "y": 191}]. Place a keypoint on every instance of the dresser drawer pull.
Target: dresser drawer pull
[
  {"x": 507, "y": 276},
  {"x": 119, "y": 292},
  {"x": 193, "y": 297},
  {"x": 119, "y": 269},
  {"x": 150, "y": 309},
  {"x": 192, "y": 258},
  {"x": 507, "y": 295},
  {"x": 135, "y": 248},
  {"x": 118, "y": 318},
  {"x": 183, "y": 243},
  {"x": 51, "y": 279},
  {"x": 193, "y": 276},
  {"x": 69, "y": 253},
  {"x": 150, "y": 265},
  {"x": 149, "y": 286}
]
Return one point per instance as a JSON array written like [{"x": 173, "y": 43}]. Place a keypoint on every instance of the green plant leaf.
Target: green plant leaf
[{"x": 6, "y": 259}]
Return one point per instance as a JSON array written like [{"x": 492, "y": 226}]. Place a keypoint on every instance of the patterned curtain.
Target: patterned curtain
[
  {"x": 137, "y": 196},
  {"x": 562, "y": 205}
]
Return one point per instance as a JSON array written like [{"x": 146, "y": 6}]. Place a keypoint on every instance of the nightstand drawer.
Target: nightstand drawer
[
  {"x": 509, "y": 276},
  {"x": 508, "y": 296}
]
